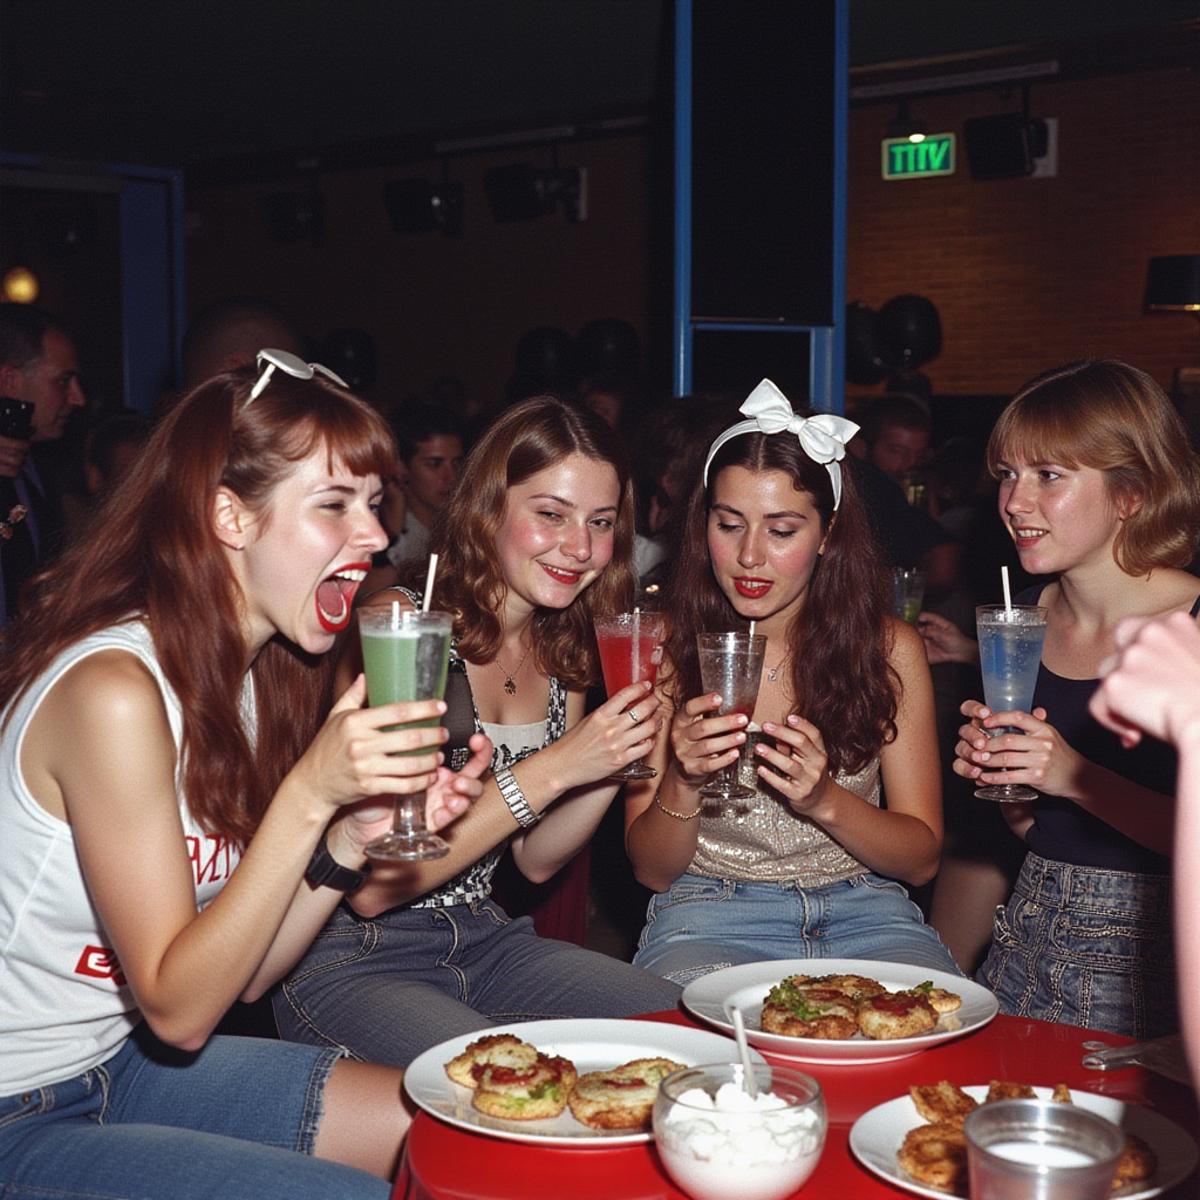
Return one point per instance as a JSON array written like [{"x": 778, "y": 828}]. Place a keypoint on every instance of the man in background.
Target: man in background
[
  {"x": 228, "y": 335},
  {"x": 39, "y": 366}
]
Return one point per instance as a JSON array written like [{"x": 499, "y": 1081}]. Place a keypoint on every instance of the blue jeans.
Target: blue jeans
[
  {"x": 700, "y": 925},
  {"x": 384, "y": 989},
  {"x": 235, "y": 1121},
  {"x": 1085, "y": 946}
]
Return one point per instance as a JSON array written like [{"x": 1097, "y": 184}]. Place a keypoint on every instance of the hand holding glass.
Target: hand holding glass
[
  {"x": 1010, "y": 651},
  {"x": 405, "y": 657},
  {"x": 630, "y": 652},
  {"x": 731, "y": 665}
]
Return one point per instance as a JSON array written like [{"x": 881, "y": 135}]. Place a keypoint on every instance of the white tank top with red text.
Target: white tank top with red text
[{"x": 64, "y": 1003}]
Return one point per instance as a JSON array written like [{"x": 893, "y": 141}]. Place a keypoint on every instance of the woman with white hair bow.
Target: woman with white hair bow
[{"x": 807, "y": 865}]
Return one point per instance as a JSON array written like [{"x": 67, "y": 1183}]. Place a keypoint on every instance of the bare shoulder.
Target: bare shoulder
[
  {"x": 110, "y": 686},
  {"x": 907, "y": 651}
]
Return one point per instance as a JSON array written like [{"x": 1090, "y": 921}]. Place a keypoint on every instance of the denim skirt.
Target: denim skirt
[{"x": 1085, "y": 946}]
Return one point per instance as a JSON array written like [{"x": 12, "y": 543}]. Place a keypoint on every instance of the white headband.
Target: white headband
[{"x": 823, "y": 437}]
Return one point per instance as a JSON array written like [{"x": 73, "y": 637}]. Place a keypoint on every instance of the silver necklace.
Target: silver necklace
[
  {"x": 510, "y": 682},
  {"x": 773, "y": 672}
]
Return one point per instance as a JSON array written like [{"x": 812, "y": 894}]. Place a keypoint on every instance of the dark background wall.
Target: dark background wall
[
  {"x": 1026, "y": 273},
  {"x": 440, "y": 305}
]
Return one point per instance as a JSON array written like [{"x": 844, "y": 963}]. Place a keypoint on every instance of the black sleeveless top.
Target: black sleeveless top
[{"x": 1062, "y": 830}]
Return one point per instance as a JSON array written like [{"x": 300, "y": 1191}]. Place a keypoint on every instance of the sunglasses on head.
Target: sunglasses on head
[{"x": 290, "y": 364}]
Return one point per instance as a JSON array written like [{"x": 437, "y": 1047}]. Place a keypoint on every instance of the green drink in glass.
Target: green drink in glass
[{"x": 405, "y": 657}]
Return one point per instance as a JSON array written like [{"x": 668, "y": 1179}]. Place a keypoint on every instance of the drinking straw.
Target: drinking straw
[
  {"x": 429, "y": 574},
  {"x": 739, "y": 1032},
  {"x": 395, "y": 614},
  {"x": 1007, "y": 592},
  {"x": 751, "y": 628}
]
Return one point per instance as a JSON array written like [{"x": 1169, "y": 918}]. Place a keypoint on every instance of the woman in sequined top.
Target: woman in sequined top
[
  {"x": 535, "y": 541},
  {"x": 807, "y": 867}
]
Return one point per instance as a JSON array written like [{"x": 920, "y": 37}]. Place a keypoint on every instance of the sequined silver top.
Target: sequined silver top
[{"x": 761, "y": 840}]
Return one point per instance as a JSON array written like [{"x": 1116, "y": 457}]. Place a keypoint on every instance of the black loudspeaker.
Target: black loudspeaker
[
  {"x": 1003, "y": 146},
  {"x": 762, "y": 161}
]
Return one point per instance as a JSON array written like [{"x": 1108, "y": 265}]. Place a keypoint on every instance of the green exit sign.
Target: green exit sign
[{"x": 934, "y": 155}]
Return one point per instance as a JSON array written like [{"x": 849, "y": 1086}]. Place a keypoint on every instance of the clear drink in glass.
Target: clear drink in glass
[
  {"x": 1010, "y": 652},
  {"x": 731, "y": 665}
]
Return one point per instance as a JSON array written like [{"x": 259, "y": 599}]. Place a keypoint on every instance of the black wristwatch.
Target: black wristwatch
[{"x": 325, "y": 871}]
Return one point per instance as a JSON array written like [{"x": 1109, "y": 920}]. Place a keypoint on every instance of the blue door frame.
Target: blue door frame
[
  {"x": 827, "y": 349},
  {"x": 153, "y": 299}
]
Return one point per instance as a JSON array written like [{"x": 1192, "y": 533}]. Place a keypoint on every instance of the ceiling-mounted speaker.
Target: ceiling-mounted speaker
[{"x": 1003, "y": 146}]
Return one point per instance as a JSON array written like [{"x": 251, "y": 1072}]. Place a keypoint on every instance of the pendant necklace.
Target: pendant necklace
[
  {"x": 773, "y": 672},
  {"x": 510, "y": 682}
]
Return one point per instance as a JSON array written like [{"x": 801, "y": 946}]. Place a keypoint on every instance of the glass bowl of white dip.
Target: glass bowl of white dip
[{"x": 718, "y": 1143}]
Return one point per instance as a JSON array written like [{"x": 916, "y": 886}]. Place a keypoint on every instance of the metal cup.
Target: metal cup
[{"x": 1040, "y": 1150}]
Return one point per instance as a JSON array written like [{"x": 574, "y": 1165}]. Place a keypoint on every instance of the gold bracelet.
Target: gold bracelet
[{"x": 678, "y": 816}]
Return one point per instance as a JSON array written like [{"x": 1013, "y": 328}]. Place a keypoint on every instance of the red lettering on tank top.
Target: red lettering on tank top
[
  {"x": 101, "y": 963},
  {"x": 213, "y": 857}
]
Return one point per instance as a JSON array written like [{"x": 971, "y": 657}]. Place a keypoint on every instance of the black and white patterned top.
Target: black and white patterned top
[{"x": 462, "y": 720}]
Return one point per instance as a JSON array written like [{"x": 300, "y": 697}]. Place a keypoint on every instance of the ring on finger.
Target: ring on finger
[{"x": 633, "y": 716}]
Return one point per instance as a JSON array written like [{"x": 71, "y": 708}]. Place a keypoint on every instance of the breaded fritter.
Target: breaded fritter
[
  {"x": 502, "y": 1049},
  {"x": 936, "y": 1155},
  {"x": 896, "y": 1015},
  {"x": 622, "y": 1098},
  {"x": 526, "y": 1093},
  {"x": 808, "y": 1011},
  {"x": 942, "y": 1102}
]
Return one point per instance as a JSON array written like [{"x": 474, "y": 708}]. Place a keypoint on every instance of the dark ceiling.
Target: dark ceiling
[{"x": 226, "y": 85}]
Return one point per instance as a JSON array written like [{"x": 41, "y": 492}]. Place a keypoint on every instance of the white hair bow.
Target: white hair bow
[{"x": 823, "y": 437}]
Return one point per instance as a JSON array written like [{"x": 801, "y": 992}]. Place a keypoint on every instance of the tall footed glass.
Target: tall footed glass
[
  {"x": 630, "y": 652},
  {"x": 405, "y": 657},
  {"x": 731, "y": 665},
  {"x": 1010, "y": 652}
]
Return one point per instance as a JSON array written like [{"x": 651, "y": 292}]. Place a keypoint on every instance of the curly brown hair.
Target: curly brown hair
[
  {"x": 839, "y": 641},
  {"x": 1105, "y": 414},
  {"x": 526, "y": 438}
]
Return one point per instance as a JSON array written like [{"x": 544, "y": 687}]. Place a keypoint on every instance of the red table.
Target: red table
[{"x": 445, "y": 1163}]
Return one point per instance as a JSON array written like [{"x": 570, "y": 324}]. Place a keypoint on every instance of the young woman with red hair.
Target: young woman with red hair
[
  {"x": 166, "y": 787},
  {"x": 776, "y": 535}
]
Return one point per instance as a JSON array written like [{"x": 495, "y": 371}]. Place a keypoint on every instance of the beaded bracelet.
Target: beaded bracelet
[{"x": 678, "y": 816}]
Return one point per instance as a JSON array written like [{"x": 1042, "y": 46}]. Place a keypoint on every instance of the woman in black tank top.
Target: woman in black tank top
[{"x": 1099, "y": 491}]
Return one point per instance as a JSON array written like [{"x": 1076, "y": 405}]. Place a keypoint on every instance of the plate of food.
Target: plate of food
[
  {"x": 916, "y": 1141},
  {"x": 559, "y": 1083},
  {"x": 841, "y": 1010}
]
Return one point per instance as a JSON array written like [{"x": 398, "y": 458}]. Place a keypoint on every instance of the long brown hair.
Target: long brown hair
[
  {"x": 151, "y": 551},
  {"x": 838, "y": 642},
  {"x": 528, "y": 437},
  {"x": 1105, "y": 414}
]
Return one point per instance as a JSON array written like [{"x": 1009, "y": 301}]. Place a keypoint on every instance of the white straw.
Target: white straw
[
  {"x": 1007, "y": 592},
  {"x": 751, "y": 628},
  {"x": 395, "y": 614},
  {"x": 429, "y": 583},
  {"x": 739, "y": 1031}
]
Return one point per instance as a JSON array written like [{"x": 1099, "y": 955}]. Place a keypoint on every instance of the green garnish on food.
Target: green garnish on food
[
  {"x": 926, "y": 987},
  {"x": 544, "y": 1091},
  {"x": 787, "y": 995}
]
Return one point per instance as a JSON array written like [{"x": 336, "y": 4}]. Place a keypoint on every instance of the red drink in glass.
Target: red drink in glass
[{"x": 630, "y": 651}]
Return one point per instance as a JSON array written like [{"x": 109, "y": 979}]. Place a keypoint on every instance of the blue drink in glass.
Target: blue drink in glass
[{"x": 1010, "y": 651}]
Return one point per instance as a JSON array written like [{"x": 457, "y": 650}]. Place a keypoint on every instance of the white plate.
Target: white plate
[
  {"x": 592, "y": 1045},
  {"x": 711, "y": 998},
  {"x": 878, "y": 1134}
]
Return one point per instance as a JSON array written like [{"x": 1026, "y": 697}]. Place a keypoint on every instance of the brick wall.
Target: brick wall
[{"x": 1029, "y": 273}]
